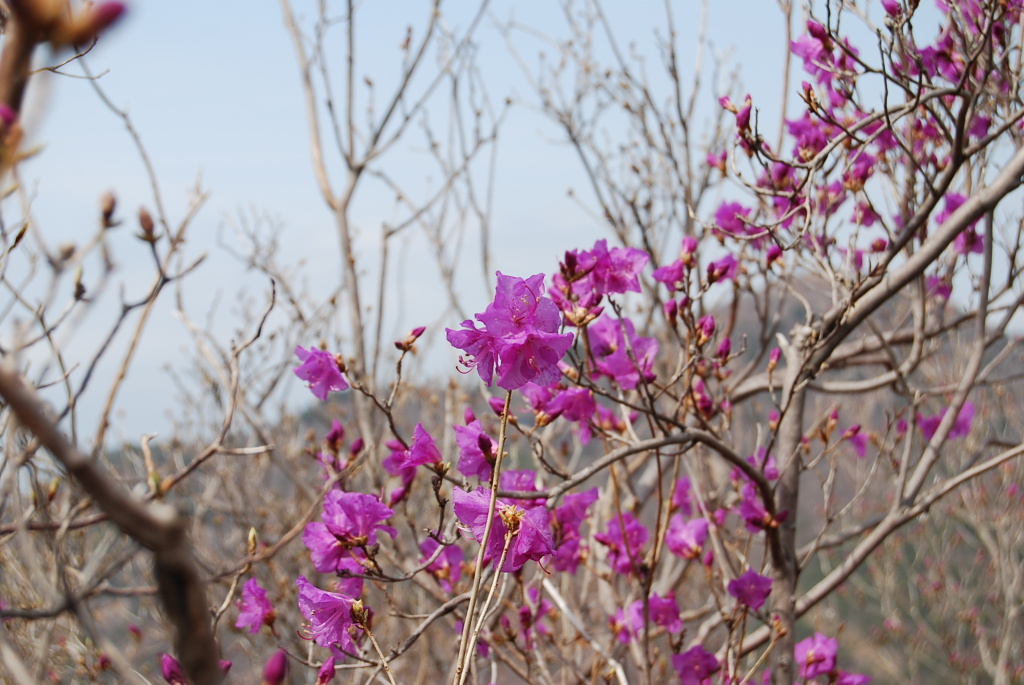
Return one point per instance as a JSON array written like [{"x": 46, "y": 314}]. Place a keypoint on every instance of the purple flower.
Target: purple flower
[
  {"x": 625, "y": 549},
  {"x": 852, "y": 679},
  {"x": 424, "y": 449},
  {"x": 447, "y": 567},
  {"x": 532, "y": 533},
  {"x": 276, "y": 669},
  {"x": 329, "y": 615},
  {"x": 326, "y": 672},
  {"x": 695, "y": 665},
  {"x": 681, "y": 496},
  {"x": 725, "y": 268},
  {"x": 662, "y": 611},
  {"x": 254, "y": 609},
  {"x": 816, "y": 655},
  {"x": 171, "y": 670},
  {"x": 751, "y": 589},
  {"x": 355, "y": 517},
  {"x": 858, "y": 440},
  {"x": 530, "y": 615},
  {"x": 892, "y": 7},
  {"x": 351, "y": 520},
  {"x": 569, "y": 516},
  {"x": 961, "y": 428},
  {"x": 670, "y": 274},
  {"x": 939, "y": 287},
  {"x": 477, "y": 451},
  {"x": 520, "y": 480},
  {"x": 969, "y": 241},
  {"x": 320, "y": 369},
  {"x": 729, "y": 220},
  {"x": 520, "y": 338},
  {"x": 686, "y": 539},
  {"x": 752, "y": 511},
  {"x": 615, "y": 270},
  {"x": 608, "y": 343},
  {"x": 574, "y": 404}
]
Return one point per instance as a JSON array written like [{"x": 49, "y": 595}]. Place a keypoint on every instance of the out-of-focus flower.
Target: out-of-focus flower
[
  {"x": 751, "y": 589},
  {"x": 320, "y": 369},
  {"x": 254, "y": 609}
]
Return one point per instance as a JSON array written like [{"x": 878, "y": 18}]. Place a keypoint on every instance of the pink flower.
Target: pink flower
[
  {"x": 681, "y": 496},
  {"x": 329, "y": 615},
  {"x": 695, "y": 665},
  {"x": 477, "y": 451},
  {"x": 254, "y": 609},
  {"x": 729, "y": 220},
  {"x": 816, "y": 655},
  {"x": 852, "y": 679},
  {"x": 424, "y": 450},
  {"x": 686, "y": 539},
  {"x": 519, "y": 340},
  {"x": 725, "y": 268},
  {"x": 320, "y": 369},
  {"x": 447, "y": 567},
  {"x": 171, "y": 670},
  {"x": 662, "y": 611},
  {"x": 751, "y": 589},
  {"x": 531, "y": 533},
  {"x": 276, "y": 669},
  {"x": 350, "y": 520},
  {"x": 625, "y": 548},
  {"x": 608, "y": 343},
  {"x": 326, "y": 672},
  {"x": 752, "y": 511},
  {"x": 570, "y": 516},
  {"x": 613, "y": 271},
  {"x": 961, "y": 428}
]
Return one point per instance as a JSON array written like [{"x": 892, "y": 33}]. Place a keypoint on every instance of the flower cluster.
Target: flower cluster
[{"x": 519, "y": 340}]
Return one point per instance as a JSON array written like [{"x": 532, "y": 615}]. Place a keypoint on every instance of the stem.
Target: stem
[
  {"x": 465, "y": 648},
  {"x": 376, "y": 648}
]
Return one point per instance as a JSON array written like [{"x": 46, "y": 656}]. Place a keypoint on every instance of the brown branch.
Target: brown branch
[{"x": 156, "y": 526}]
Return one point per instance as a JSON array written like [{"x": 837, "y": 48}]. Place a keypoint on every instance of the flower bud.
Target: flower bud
[
  {"x": 108, "y": 203},
  {"x": 148, "y": 233},
  {"x": 276, "y": 669},
  {"x": 171, "y": 670},
  {"x": 326, "y": 672}
]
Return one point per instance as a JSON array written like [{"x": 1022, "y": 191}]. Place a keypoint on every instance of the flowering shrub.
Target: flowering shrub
[{"x": 671, "y": 452}]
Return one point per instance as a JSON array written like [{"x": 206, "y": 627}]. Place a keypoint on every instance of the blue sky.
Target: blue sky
[{"x": 213, "y": 89}]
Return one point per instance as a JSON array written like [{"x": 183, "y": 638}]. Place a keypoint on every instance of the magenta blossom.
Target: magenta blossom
[
  {"x": 477, "y": 451},
  {"x": 695, "y": 665},
  {"x": 519, "y": 339},
  {"x": 615, "y": 270},
  {"x": 816, "y": 655},
  {"x": 961, "y": 428},
  {"x": 447, "y": 567},
  {"x": 531, "y": 529},
  {"x": 171, "y": 670},
  {"x": 625, "y": 550},
  {"x": 276, "y": 668},
  {"x": 686, "y": 539},
  {"x": 351, "y": 520},
  {"x": 254, "y": 609},
  {"x": 424, "y": 450},
  {"x": 320, "y": 369},
  {"x": 329, "y": 615},
  {"x": 751, "y": 589},
  {"x": 326, "y": 672},
  {"x": 569, "y": 517},
  {"x": 662, "y": 611}
]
